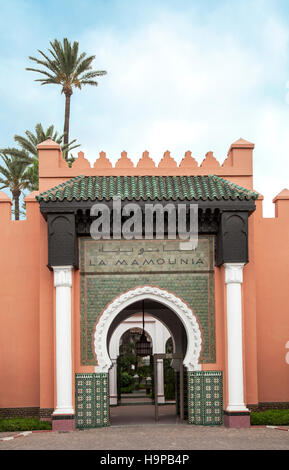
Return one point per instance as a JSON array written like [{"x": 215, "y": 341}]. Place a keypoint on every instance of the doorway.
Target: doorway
[
  {"x": 179, "y": 385},
  {"x": 138, "y": 392}
]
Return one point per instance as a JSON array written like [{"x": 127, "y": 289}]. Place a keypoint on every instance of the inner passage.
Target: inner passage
[{"x": 142, "y": 343}]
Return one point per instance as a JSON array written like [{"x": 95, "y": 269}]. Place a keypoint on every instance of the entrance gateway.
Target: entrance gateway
[
  {"x": 114, "y": 276},
  {"x": 162, "y": 299}
]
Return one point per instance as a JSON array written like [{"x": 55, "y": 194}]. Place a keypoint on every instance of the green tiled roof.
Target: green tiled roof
[{"x": 83, "y": 188}]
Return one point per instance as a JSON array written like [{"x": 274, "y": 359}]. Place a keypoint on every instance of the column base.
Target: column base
[
  {"x": 237, "y": 419},
  {"x": 113, "y": 401},
  {"x": 63, "y": 422}
]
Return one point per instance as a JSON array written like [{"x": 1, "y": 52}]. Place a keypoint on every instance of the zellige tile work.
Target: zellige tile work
[
  {"x": 205, "y": 398},
  {"x": 92, "y": 400}
]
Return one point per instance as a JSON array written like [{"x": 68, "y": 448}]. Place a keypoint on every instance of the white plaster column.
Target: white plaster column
[
  {"x": 161, "y": 391},
  {"x": 234, "y": 280},
  {"x": 63, "y": 283},
  {"x": 113, "y": 382}
]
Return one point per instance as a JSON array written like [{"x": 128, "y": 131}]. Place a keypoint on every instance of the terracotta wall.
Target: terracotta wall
[
  {"x": 272, "y": 288},
  {"x": 19, "y": 307}
]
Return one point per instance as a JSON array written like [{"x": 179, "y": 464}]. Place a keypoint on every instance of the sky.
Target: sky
[{"x": 182, "y": 75}]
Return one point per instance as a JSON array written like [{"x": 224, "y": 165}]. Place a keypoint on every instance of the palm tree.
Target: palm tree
[
  {"x": 66, "y": 67},
  {"x": 14, "y": 177},
  {"x": 28, "y": 148}
]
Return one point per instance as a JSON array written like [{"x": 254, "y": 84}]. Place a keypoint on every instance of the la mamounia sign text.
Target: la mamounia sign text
[{"x": 144, "y": 256}]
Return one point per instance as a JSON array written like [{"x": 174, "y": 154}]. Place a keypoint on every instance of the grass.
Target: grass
[
  {"x": 23, "y": 424},
  {"x": 270, "y": 417}
]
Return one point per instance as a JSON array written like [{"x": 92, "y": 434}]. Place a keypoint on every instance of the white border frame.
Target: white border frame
[{"x": 185, "y": 314}]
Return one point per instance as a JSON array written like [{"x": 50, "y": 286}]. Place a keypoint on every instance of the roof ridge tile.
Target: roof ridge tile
[{"x": 196, "y": 188}]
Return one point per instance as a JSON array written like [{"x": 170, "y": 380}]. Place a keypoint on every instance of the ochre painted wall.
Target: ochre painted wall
[
  {"x": 272, "y": 299},
  {"x": 19, "y": 308}
]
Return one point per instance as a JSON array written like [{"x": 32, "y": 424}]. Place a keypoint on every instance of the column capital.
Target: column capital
[
  {"x": 234, "y": 273},
  {"x": 62, "y": 276}
]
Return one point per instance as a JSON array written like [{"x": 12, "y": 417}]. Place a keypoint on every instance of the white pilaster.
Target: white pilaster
[
  {"x": 234, "y": 280},
  {"x": 161, "y": 392},
  {"x": 113, "y": 383},
  {"x": 63, "y": 283}
]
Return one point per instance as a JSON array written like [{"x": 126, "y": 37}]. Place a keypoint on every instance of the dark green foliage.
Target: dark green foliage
[
  {"x": 28, "y": 153},
  {"x": 32, "y": 139},
  {"x": 23, "y": 424},
  {"x": 270, "y": 417},
  {"x": 170, "y": 392},
  {"x": 128, "y": 359},
  {"x": 169, "y": 374},
  {"x": 15, "y": 177},
  {"x": 128, "y": 389},
  {"x": 126, "y": 379},
  {"x": 144, "y": 372}
]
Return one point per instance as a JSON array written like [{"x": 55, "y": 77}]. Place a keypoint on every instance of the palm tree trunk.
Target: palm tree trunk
[
  {"x": 16, "y": 196},
  {"x": 67, "y": 117}
]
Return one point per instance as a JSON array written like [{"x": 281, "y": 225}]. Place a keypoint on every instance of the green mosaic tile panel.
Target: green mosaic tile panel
[
  {"x": 205, "y": 398},
  {"x": 194, "y": 288},
  {"x": 91, "y": 400},
  {"x": 102, "y": 399}
]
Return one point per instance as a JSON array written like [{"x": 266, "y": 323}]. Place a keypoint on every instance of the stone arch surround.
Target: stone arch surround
[{"x": 174, "y": 303}]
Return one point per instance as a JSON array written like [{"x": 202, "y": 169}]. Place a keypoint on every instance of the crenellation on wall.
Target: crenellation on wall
[
  {"x": 5, "y": 207},
  {"x": 210, "y": 162},
  {"x": 240, "y": 155},
  {"x": 53, "y": 169},
  {"x": 81, "y": 162},
  {"x": 124, "y": 162},
  {"x": 281, "y": 202}
]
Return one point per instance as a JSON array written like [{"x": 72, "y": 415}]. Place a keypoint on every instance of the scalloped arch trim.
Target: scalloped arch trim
[{"x": 178, "y": 306}]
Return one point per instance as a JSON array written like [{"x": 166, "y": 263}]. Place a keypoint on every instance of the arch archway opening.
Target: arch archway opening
[
  {"x": 177, "y": 314},
  {"x": 132, "y": 377},
  {"x": 171, "y": 315}
]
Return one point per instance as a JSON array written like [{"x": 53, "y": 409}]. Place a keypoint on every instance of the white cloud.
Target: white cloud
[{"x": 179, "y": 87}]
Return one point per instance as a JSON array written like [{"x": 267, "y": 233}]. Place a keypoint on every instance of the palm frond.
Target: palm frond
[
  {"x": 21, "y": 154},
  {"x": 64, "y": 65},
  {"x": 89, "y": 82}
]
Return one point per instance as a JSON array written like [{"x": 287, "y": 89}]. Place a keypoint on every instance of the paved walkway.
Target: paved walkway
[
  {"x": 142, "y": 414},
  {"x": 155, "y": 437}
]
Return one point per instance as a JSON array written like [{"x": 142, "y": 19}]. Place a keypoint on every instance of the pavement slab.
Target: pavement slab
[{"x": 154, "y": 437}]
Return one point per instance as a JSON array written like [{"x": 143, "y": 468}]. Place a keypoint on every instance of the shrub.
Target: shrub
[
  {"x": 270, "y": 417},
  {"x": 128, "y": 389},
  {"x": 170, "y": 391},
  {"x": 23, "y": 424},
  {"x": 125, "y": 379}
]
